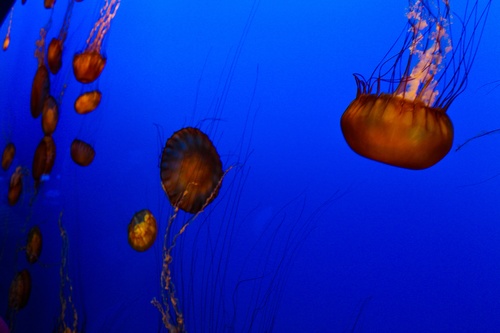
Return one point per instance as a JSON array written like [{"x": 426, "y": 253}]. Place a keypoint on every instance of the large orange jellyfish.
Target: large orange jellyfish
[
  {"x": 408, "y": 126},
  {"x": 88, "y": 65},
  {"x": 191, "y": 175},
  {"x": 34, "y": 245},
  {"x": 142, "y": 230}
]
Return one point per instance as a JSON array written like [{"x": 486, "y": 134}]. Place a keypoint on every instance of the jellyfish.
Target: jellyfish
[
  {"x": 88, "y": 102},
  {"x": 56, "y": 45},
  {"x": 408, "y": 126},
  {"x": 44, "y": 159},
  {"x": 88, "y": 64},
  {"x": 8, "y": 155},
  {"x": 82, "y": 153},
  {"x": 34, "y": 245},
  {"x": 40, "y": 88},
  {"x": 20, "y": 289},
  {"x": 142, "y": 230},
  {"x": 191, "y": 170},
  {"x": 50, "y": 115},
  {"x": 49, "y": 4},
  {"x": 6, "y": 41},
  {"x": 15, "y": 186}
]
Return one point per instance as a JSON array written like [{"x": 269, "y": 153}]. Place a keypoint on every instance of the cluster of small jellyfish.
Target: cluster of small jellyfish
[{"x": 405, "y": 126}]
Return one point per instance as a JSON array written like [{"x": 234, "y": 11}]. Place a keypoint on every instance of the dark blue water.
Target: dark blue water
[{"x": 305, "y": 235}]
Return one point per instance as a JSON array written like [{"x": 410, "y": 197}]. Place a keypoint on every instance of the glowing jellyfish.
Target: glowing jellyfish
[
  {"x": 82, "y": 153},
  {"x": 88, "y": 65},
  {"x": 142, "y": 230},
  {"x": 15, "y": 186},
  {"x": 20, "y": 289},
  {"x": 8, "y": 155},
  {"x": 408, "y": 127},
  {"x": 43, "y": 161},
  {"x": 191, "y": 170},
  {"x": 34, "y": 245},
  {"x": 40, "y": 88},
  {"x": 56, "y": 45},
  {"x": 6, "y": 41},
  {"x": 50, "y": 115},
  {"x": 88, "y": 102}
]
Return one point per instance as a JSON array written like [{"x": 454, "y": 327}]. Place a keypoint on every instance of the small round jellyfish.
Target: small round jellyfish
[
  {"x": 15, "y": 186},
  {"x": 88, "y": 102},
  {"x": 88, "y": 64},
  {"x": 142, "y": 230},
  {"x": 82, "y": 153},
  {"x": 8, "y": 155},
  {"x": 50, "y": 115},
  {"x": 34, "y": 245},
  {"x": 20, "y": 289}
]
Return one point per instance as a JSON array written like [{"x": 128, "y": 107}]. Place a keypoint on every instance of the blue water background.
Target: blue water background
[{"x": 422, "y": 248}]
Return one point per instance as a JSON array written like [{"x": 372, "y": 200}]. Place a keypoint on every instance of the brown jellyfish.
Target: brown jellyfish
[
  {"x": 15, "y": 186},
  {"x": 48, "y": 4},
  {"x": 88, "y": 64},
  {"x": 191, "y": 170},
  {"x": 34, "y": 245},
  {"x": 408, "y": 126},
  {"x": 8, "y": 155},
  {"x": 6, "y": 41},
  {"x": 88, "y": 102},
  {"x": 20, "y": 289},
  {"x": 40, "y": 88},
  {"x": 43, "y": 161},
  {"x": 82, "y": 153},
  {"x": 56, "y": 45},
  {"x": 50, "y": 115},
  {"x": 142, "y": 230}
]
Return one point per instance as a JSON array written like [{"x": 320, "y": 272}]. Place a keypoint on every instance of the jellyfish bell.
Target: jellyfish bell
[
  {"x": 50, "y": 115},
  {"x": 54, "y": 55},
  {"x": 15, "y": 186},
  {"x": 49, "y": 4},
  {"x": 43, "y": 161},
  {"x": 88, "y": 102},
  {"x": 8, "y": 155},
  {"x": 34, "y": 245},
  {"x": 408, "y": 126},
  {"x": 88, "y": 66},
  {"x": 39, "y": 90},
  {"x": 82, "y": 153},
  {"x": 20, "y": 290},
  {"x": 191, "y": 170},
  {"x": 142, "y": 230}
]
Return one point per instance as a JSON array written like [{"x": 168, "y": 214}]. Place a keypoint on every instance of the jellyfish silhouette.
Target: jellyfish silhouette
[
  {"x": 142, "y": 230},
  {"x": 408, "y": 126},
  {"x": 34, "y": 245},
  {"x": 8, "y": 155},
  {"x": 88, "y": 64},
  {"x": 191, "y": 170},
  {"x": 82, "y": 153}
]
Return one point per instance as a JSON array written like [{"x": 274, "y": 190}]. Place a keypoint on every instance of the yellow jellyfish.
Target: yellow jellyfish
[
  {"x": 142, "y": 230},
  {"x": 408, "y": 126},
  {"x": 88, "y": 64}
]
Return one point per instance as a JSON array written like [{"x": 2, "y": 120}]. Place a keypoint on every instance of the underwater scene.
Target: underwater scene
[{"x": 250, "y": 166}]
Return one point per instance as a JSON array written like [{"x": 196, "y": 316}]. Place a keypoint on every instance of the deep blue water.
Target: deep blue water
[{"x": 305, "y": 235}]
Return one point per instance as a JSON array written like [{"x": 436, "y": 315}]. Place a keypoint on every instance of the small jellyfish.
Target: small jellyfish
[
  {"x": 15, "y": 186},
  {"x": 40, "y": 88},
  {"x": 56, "y": 45},
  {"x": 88, "y": 102},
  {"x": 88, "y": 64},
  {"x": 408, "y": 126},
  {"x": 82, "y": 153},
  {"x": 34, "y": 245},
  {"x": 50, "y": 115},
  {"x": 48, "y": 4},
  {"x": 20, "y": 289},
  {"x": 6, "y": 41},
  {"x": 142, "y": 230},
  {"x": 8, "y": 155},
  {"x": 191, "y": 170},
  {"x": 43, "y": 161}
]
